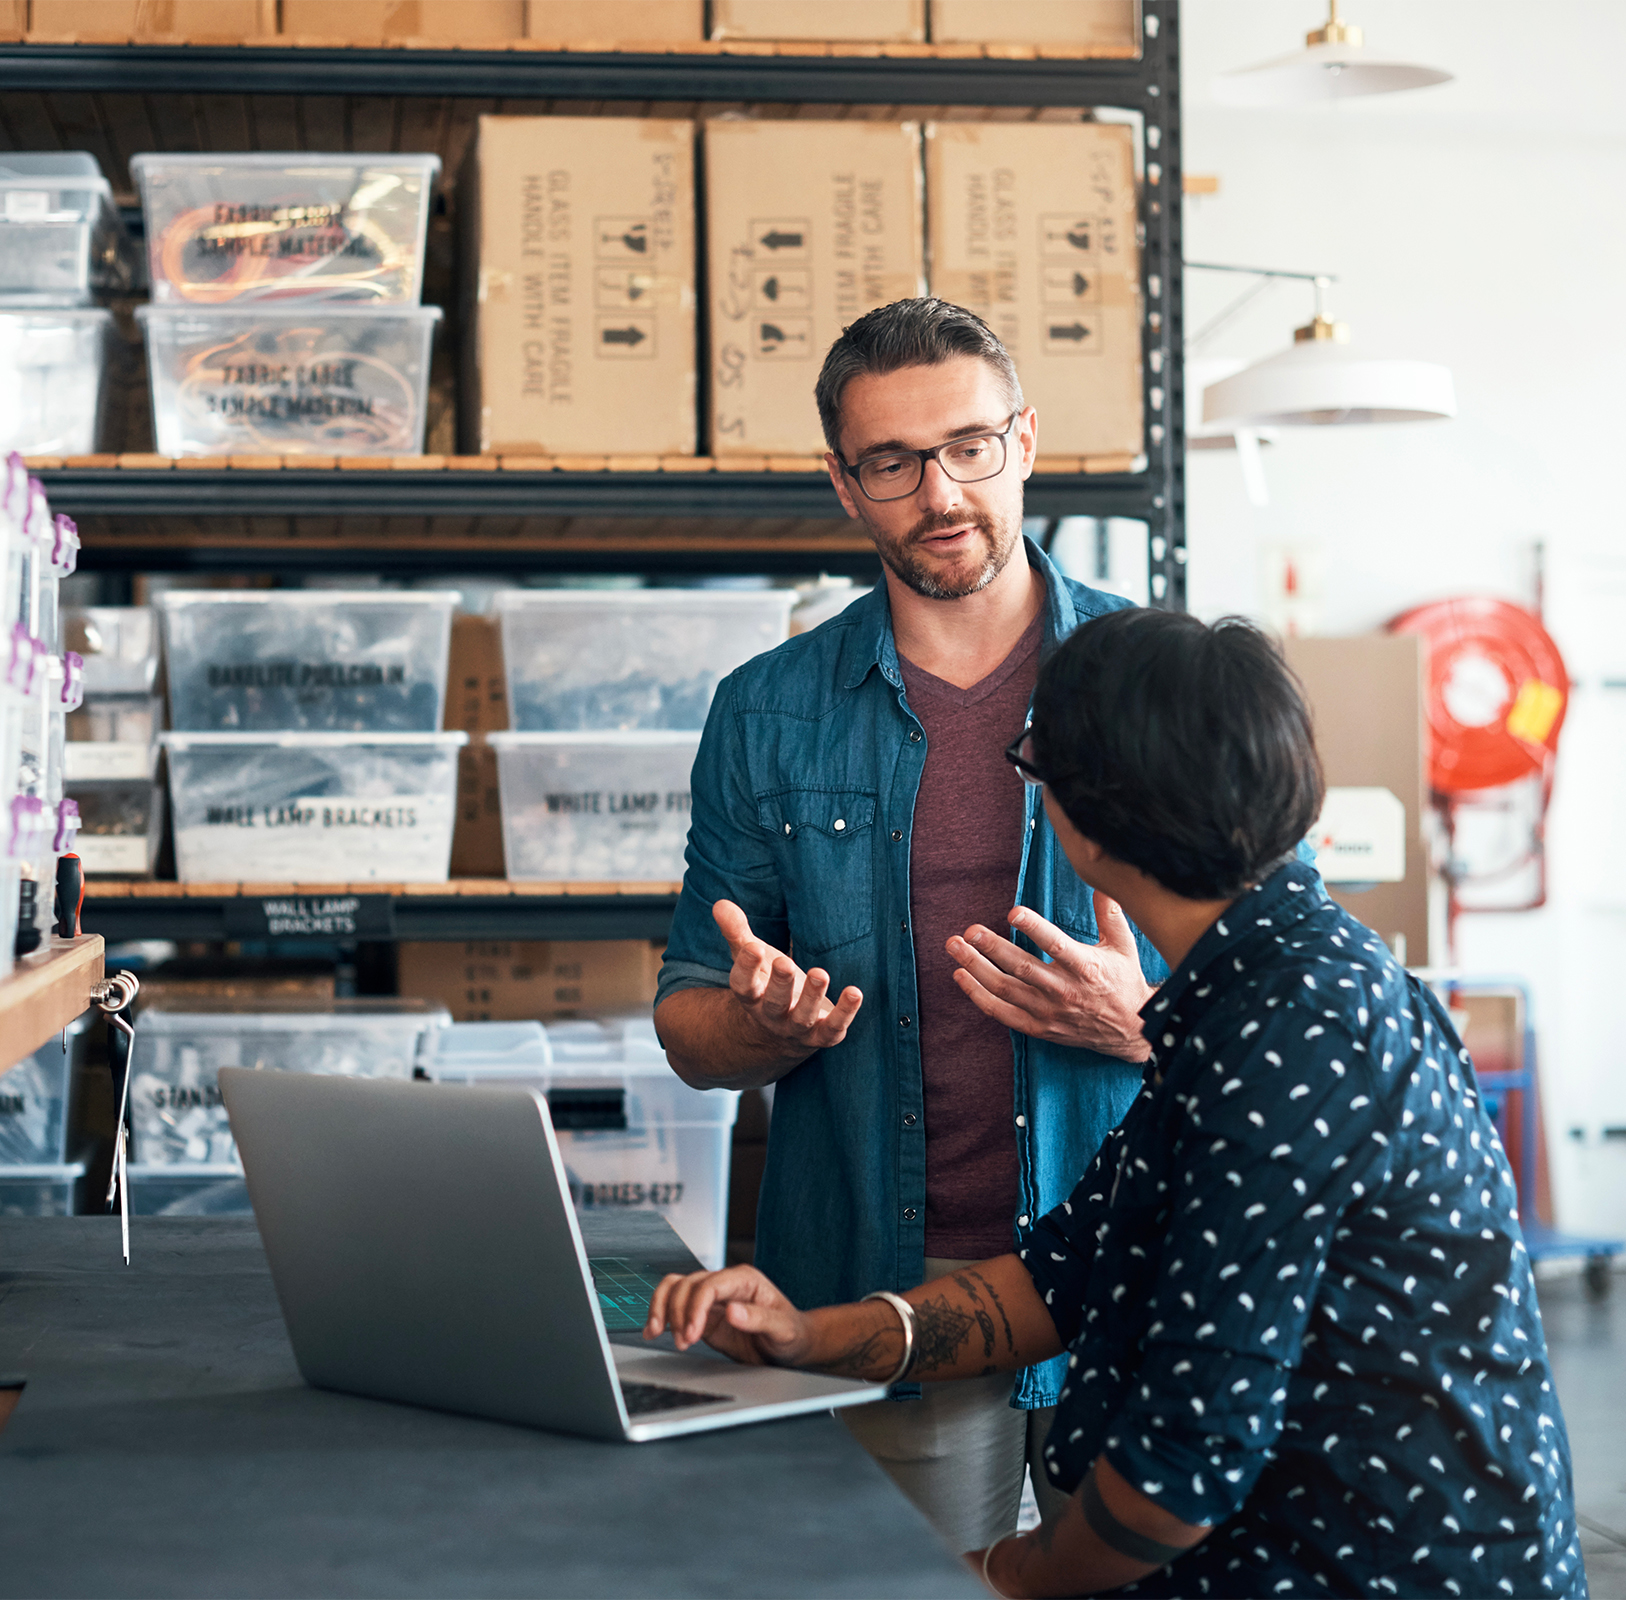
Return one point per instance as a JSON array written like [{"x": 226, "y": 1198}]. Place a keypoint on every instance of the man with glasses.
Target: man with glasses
[{"x": 857, "y": 840}]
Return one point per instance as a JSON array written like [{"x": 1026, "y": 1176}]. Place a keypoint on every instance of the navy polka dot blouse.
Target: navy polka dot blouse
[{"x": 1293, "y": 1288}]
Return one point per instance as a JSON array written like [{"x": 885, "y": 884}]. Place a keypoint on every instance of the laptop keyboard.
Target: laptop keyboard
[{"x": 644, "y": 1398}]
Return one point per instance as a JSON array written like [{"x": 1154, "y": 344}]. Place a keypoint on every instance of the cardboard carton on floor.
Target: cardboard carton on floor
[
  {"x": 151, "y": 19},
  {"x": 525, "y": 980},
  {"x": 579, "y": 251},
  {"x": 620, "y": 22},
  {"x": 362, "y": 22},
  {"x": 1033, "y": 228},
  {"x": 1107, "y": 25},
  {"x": 809, "y": 225},
  {"x": 878, "y": 21}
]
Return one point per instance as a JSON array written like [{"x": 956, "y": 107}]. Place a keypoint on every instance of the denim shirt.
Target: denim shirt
[{"x": 804, "y": 797}]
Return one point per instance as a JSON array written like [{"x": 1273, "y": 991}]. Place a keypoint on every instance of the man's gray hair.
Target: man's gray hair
[{"x": 908, "y": 333}]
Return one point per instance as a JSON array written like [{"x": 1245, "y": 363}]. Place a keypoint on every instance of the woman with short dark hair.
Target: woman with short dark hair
[{"x": 1304, "y": 1350}]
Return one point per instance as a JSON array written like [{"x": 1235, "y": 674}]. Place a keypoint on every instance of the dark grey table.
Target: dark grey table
[{"x": 165, "y": 1445}]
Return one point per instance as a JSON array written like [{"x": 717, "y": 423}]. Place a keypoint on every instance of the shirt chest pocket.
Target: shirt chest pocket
[{"x": 824, "y": 842}]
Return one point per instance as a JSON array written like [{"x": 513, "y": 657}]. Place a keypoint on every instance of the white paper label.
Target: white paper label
[
  {"x": 111, "y": 852},
  {"x": 85, "y": 761},
  {"x": 1361, "y": 837},
  {"x": 328, "y": 839},
  {"x": 24, "y": 205}
]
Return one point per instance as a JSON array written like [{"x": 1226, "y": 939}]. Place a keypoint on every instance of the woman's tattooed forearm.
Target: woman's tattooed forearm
[
  {"x": 969, "y": 1281},
  {"x": 940, "y": 1329},
  {"x": 869, "y": 1355}
]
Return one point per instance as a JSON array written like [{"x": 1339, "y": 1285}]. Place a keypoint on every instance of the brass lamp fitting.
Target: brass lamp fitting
[
  {"x": 1322, "y": 328},
  {"x": 1334, "y": 31}
]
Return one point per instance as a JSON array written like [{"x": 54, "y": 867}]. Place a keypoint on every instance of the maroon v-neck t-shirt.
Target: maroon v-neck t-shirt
[{"x": 964, "y": 858}]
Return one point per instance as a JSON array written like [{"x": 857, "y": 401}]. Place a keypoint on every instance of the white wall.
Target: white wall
[{"x": 1479, "y": 224}]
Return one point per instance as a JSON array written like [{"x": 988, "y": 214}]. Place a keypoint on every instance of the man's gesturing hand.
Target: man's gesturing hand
[
  {"x": 1086, "y": 995},
  {"x": 789, "y": 1008},
  {"x": 737, "y": 1311}
]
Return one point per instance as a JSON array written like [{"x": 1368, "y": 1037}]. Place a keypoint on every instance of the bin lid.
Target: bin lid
[
  {"x": 482, "y": 1046},
  {"x": 289, "y": 1014},
  {"x": 739, "y": 599},
  {"x": 311, "y": 741},
  {"x": 176, "y": 599},
  {"x": 611, "y": 738}
]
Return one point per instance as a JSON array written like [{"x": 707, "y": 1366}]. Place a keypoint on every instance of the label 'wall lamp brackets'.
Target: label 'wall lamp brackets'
[
  {"x": 1320, "y": 380},
  {"x": 1332, "y": 66}
]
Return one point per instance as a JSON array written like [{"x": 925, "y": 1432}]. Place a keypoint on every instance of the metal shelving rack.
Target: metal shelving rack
[{"x": 247, "y": 519}]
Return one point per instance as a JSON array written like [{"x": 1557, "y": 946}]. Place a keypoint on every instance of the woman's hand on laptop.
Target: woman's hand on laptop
[{"x": 737, "y": 1311}]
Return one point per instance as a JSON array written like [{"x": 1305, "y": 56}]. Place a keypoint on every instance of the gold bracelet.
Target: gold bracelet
[
  {"x": 906, "y": 1315},
  {"x": 985, "y": 1557}
]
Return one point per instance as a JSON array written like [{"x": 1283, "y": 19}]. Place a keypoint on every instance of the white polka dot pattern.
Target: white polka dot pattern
[{"x": 1294, "y": 1290}]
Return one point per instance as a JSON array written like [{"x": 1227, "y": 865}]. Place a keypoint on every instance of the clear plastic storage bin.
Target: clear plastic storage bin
[
  {"x": 595, "y": 808},
  {"x": 61, "y": 238},
  {"x": 121, "y": 826},
  {"x": 307, "y": 660},
  {"x": 629, "y": 659},
  {"x": 176, "y": 1114},
  {"x": 313, "y": 807},
  {"x": 112, "y": 735},
  {"x": 34, "y": 1108},
  {"x": 118, "y": 644},
  {"x": 632, "y": 1133},
  {"x": 202, "y": 1191},
  {"x": 226, "y": 229},
  {"x": 47, "y": 1190},
  {"x": 52, "y": 365},
  {"x": 318, "y": 379}
]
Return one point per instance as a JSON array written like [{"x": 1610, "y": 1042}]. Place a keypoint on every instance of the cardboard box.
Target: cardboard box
[
  {"x": 1492, "y": 1024},
  {"x": 878, "y": 21},
  {"x": 149, "y": 19},
  {"x": 524, "y": 980},
  {"x": 467, "y": 22},
  {"x": 1106, "y": 25},
  {"x": 1366, "y": 694},
  {"x": 618, "y": 22},
  {"x": 580, "y": 255},
  {"x": 1033, "y": 227},
  {"x": 809, "y": 225},
  {"x": 476, "y": 704}
]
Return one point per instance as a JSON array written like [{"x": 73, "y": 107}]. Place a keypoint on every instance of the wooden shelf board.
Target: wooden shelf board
[
  {"x": 480, "y": 888},
  {"x": 44, "y": 993}
]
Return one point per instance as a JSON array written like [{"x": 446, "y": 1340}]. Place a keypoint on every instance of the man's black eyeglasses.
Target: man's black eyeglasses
[
  {"x": 898, "y": 474},
  {"x": 1014, "y": 753}
]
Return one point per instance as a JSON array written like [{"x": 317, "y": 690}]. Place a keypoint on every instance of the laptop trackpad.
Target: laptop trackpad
[{"x": 713, "y": 1375}]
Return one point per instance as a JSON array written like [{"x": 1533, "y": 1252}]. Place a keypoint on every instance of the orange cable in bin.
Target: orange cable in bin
[{"x": 1518, "y": 735}]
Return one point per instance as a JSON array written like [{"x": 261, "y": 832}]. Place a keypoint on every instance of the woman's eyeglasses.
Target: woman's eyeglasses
[{"x": 1019, "y": 752}]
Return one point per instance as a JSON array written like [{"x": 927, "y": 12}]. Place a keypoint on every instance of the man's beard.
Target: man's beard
[{"x": 906, "y": 562}]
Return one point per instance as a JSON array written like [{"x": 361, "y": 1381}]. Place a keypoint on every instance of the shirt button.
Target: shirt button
[
  {"x": 903, "y": 1022},
  {"x": 909, "y": 1119},
  {"x": 908, "y": 1213},
  {"x": 839, "y": 824},
  {"x": 1033, "y": 822},
  {"x": 904, "y": 924},
  {"x": 897, "y": 834},
  {"x": 787, "y": 827},
  {"x": 1021, "y": 1222},
  {"x": 914, "y": 736},
  {"x": 1021, "y": 1122}
]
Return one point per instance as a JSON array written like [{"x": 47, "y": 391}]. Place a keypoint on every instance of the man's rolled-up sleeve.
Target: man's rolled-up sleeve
[{"x": 728, "y": 857}]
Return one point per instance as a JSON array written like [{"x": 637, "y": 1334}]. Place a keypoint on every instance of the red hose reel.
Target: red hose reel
[{"x": 1496, "y": 692}]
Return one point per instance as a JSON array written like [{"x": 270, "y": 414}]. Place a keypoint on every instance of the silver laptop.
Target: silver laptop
[{"x": 424, "y": 1248}]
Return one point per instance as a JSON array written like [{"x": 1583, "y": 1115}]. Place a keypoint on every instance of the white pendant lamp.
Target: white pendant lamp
[
  {"x": 1323, "y": 380},
  {"x": 1333, "y": 65}
]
